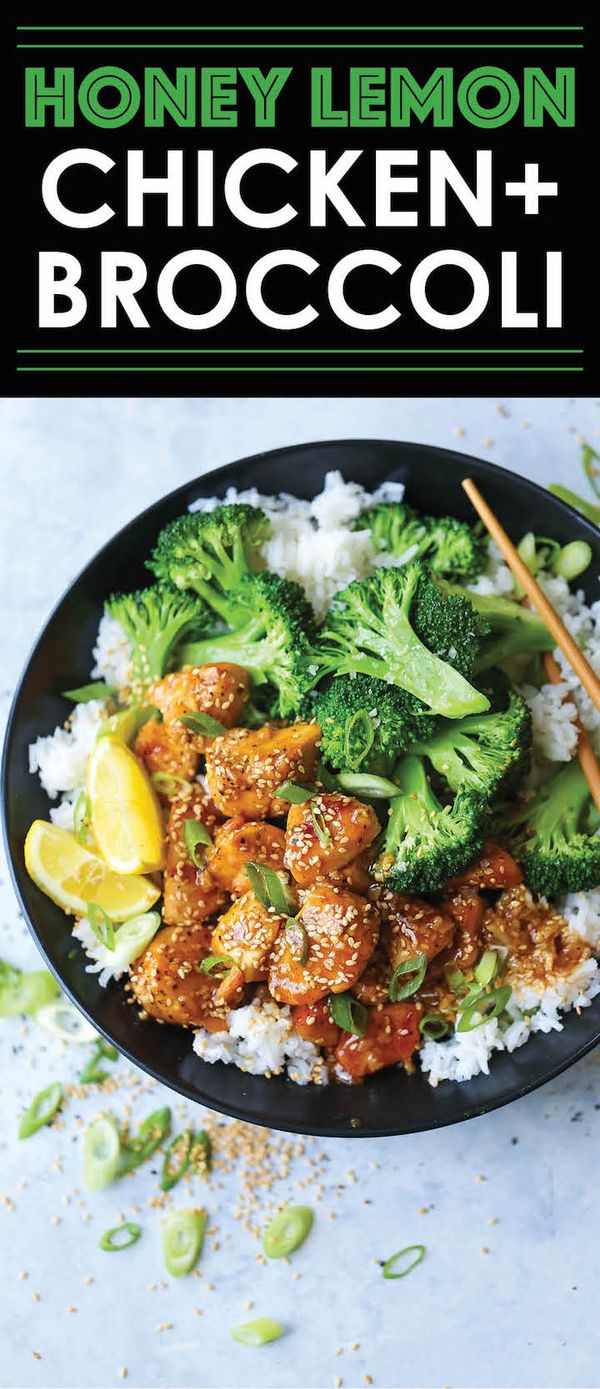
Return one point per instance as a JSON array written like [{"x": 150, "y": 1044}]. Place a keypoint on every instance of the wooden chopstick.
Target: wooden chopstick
[
  {"x": 585, "y": 751},
  {"x": 536, "y": 596}
]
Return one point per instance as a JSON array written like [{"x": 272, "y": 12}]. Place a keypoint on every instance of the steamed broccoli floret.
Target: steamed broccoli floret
[
  {"x": 513, "y": 629},
  {"x": 426, "y": 843},
  {"x": 155, "y": 620},
  {"x": 483, "y": 752},
  {"x": 450, "y": 546},
  {"x": 395, "y": 528},
  {"x": 366, "y": 724},
  {"x": 549, "y": 836},
  {"x": 398, "y": 627},
  {"x": 272, "y": 639},
  {"x": 210, "y": 552}
]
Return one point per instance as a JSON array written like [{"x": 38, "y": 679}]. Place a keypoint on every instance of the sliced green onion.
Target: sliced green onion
[
  {"x": 294, "y": 793},
  {"x": 268, "y": 887},
  {"x": 297, "y": 939},
  {"x": 195, "y": 833},
  {"x": 573, "y": 559},
  {"x": 9, "y": 974},
  {"x": 258, "y": 1332},
  {"x": 203, "y": 723},
  {"x": 98, "y": 689},
  {"x": 487, "y": 968},
  {"x": 356, "y": 725},
  {"x": 64, "y": 1021},
  {"x": 483, "y": 1009},
  {"x": 101, "y": 925},
  {"x": 587, "y": 509},
  {"x": 120, "y": 1237},
  {"x": 349, "y": 1014},
  {"x": 527, "y": 550},
  {"x": 388, "y": 1267},
  {"x": 27, "y": 993},
  {"x": 416, "y": 969},
  {"x": 455, "y": 979},
  {"x": 151, "y": 1133},
  {"x": 201, "y": 1151},
  {"x": 101, "y": 1153},
  {"x": 589, "y": 462},
  {"x": 127, "y": 723},
  {"x": 122, "y": 726},
  {"x": 176, "y": 1160},
  {"x": 41, "y": 1110},
  {"x": 82, "y": 818},
  {"x": 471, "y": 995},
  {"x": 134, "y": 935},
  {"x": 217, "y": 964},
  {"x": 433, "y": 1028},
  {"x": 320, "y": 826},
  {"x": 92, "y": 1074},
  {"x": 169, "y": 785},
  {"x": 182, "y": 1239},
  {"x": 367, "y": 784},
  {"x": 287, "y": 1231}
]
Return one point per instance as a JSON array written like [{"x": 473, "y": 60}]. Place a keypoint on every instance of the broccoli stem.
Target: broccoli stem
[
  {"x": 400, "y": 657},
  {"x": 246, "y": 646},
  {"x": 560, "y": 812}
]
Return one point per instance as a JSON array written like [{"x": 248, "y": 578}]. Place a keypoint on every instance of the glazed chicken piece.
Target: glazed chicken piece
[
  {"x": 411, "y": 926},
  {"x": 247, "y": 932},
  {"x": 314, "y": 1022},
  {"x": 169, "y": 985},
  {"x": 246, "y": 767},
  {"x": 219, "y": 690},
  {"x": 392, "y": 1035},
  {"x": 190, "y": 893},
  {"x": 354, "y": 876},
  {"x": 340, "y": 931},
  {"x": 494, "y": 869},
  {"x": 166, "y": 749},
  {"x": 326, "y": 833},
  {"x": 238, "y": 842},
  {"x": 373, "y": 987},
  {"x": 539, "y": 941},
  {"x": 467, "y": 909}
]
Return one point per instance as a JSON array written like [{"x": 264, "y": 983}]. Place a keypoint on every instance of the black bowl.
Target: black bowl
[{"x": 390, "y": 1102}]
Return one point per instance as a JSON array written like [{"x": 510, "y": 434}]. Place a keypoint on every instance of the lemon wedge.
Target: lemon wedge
[
  {"x": 73, "y": 877},
  {"x": 126, "y": 816}
]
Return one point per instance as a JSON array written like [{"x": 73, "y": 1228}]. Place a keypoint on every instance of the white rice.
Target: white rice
[
  {"x": 61, "y": 758},
  {"x": 262, "y": 1041},
  {"x": 108, "y": 964},
  {"x": 553, "y": 714},
  {"x": 310, "y": 542},
  {"x": 112, "y": 653},
  {"x": 467, "y": 1054},
  {"x": 581, "y": 911}
]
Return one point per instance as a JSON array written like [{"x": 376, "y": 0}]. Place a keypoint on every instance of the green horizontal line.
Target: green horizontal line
[
  {"x": 300, "y": 28},
  {"x": 286, "y": 44},
  {"x": 300, "y": 368},
  {"x": 256, "y": 351}
]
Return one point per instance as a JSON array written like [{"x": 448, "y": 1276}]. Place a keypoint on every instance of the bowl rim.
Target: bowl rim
[{"x": 221, "y": 475}]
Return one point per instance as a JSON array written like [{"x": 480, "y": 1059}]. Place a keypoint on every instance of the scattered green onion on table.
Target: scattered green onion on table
[
  {"x": 120, "y": 1237},
  {"x": 182, "y": 1239},
  {"x": 258, "y": 1332},
  {"x": 287, "y": 1230},
  {"x": 389, "y": 1268},
  {"x": 41, "y": 1110}
]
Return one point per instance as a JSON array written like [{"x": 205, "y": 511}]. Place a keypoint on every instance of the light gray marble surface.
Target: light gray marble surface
[{"x": 506, "y": 1205}]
